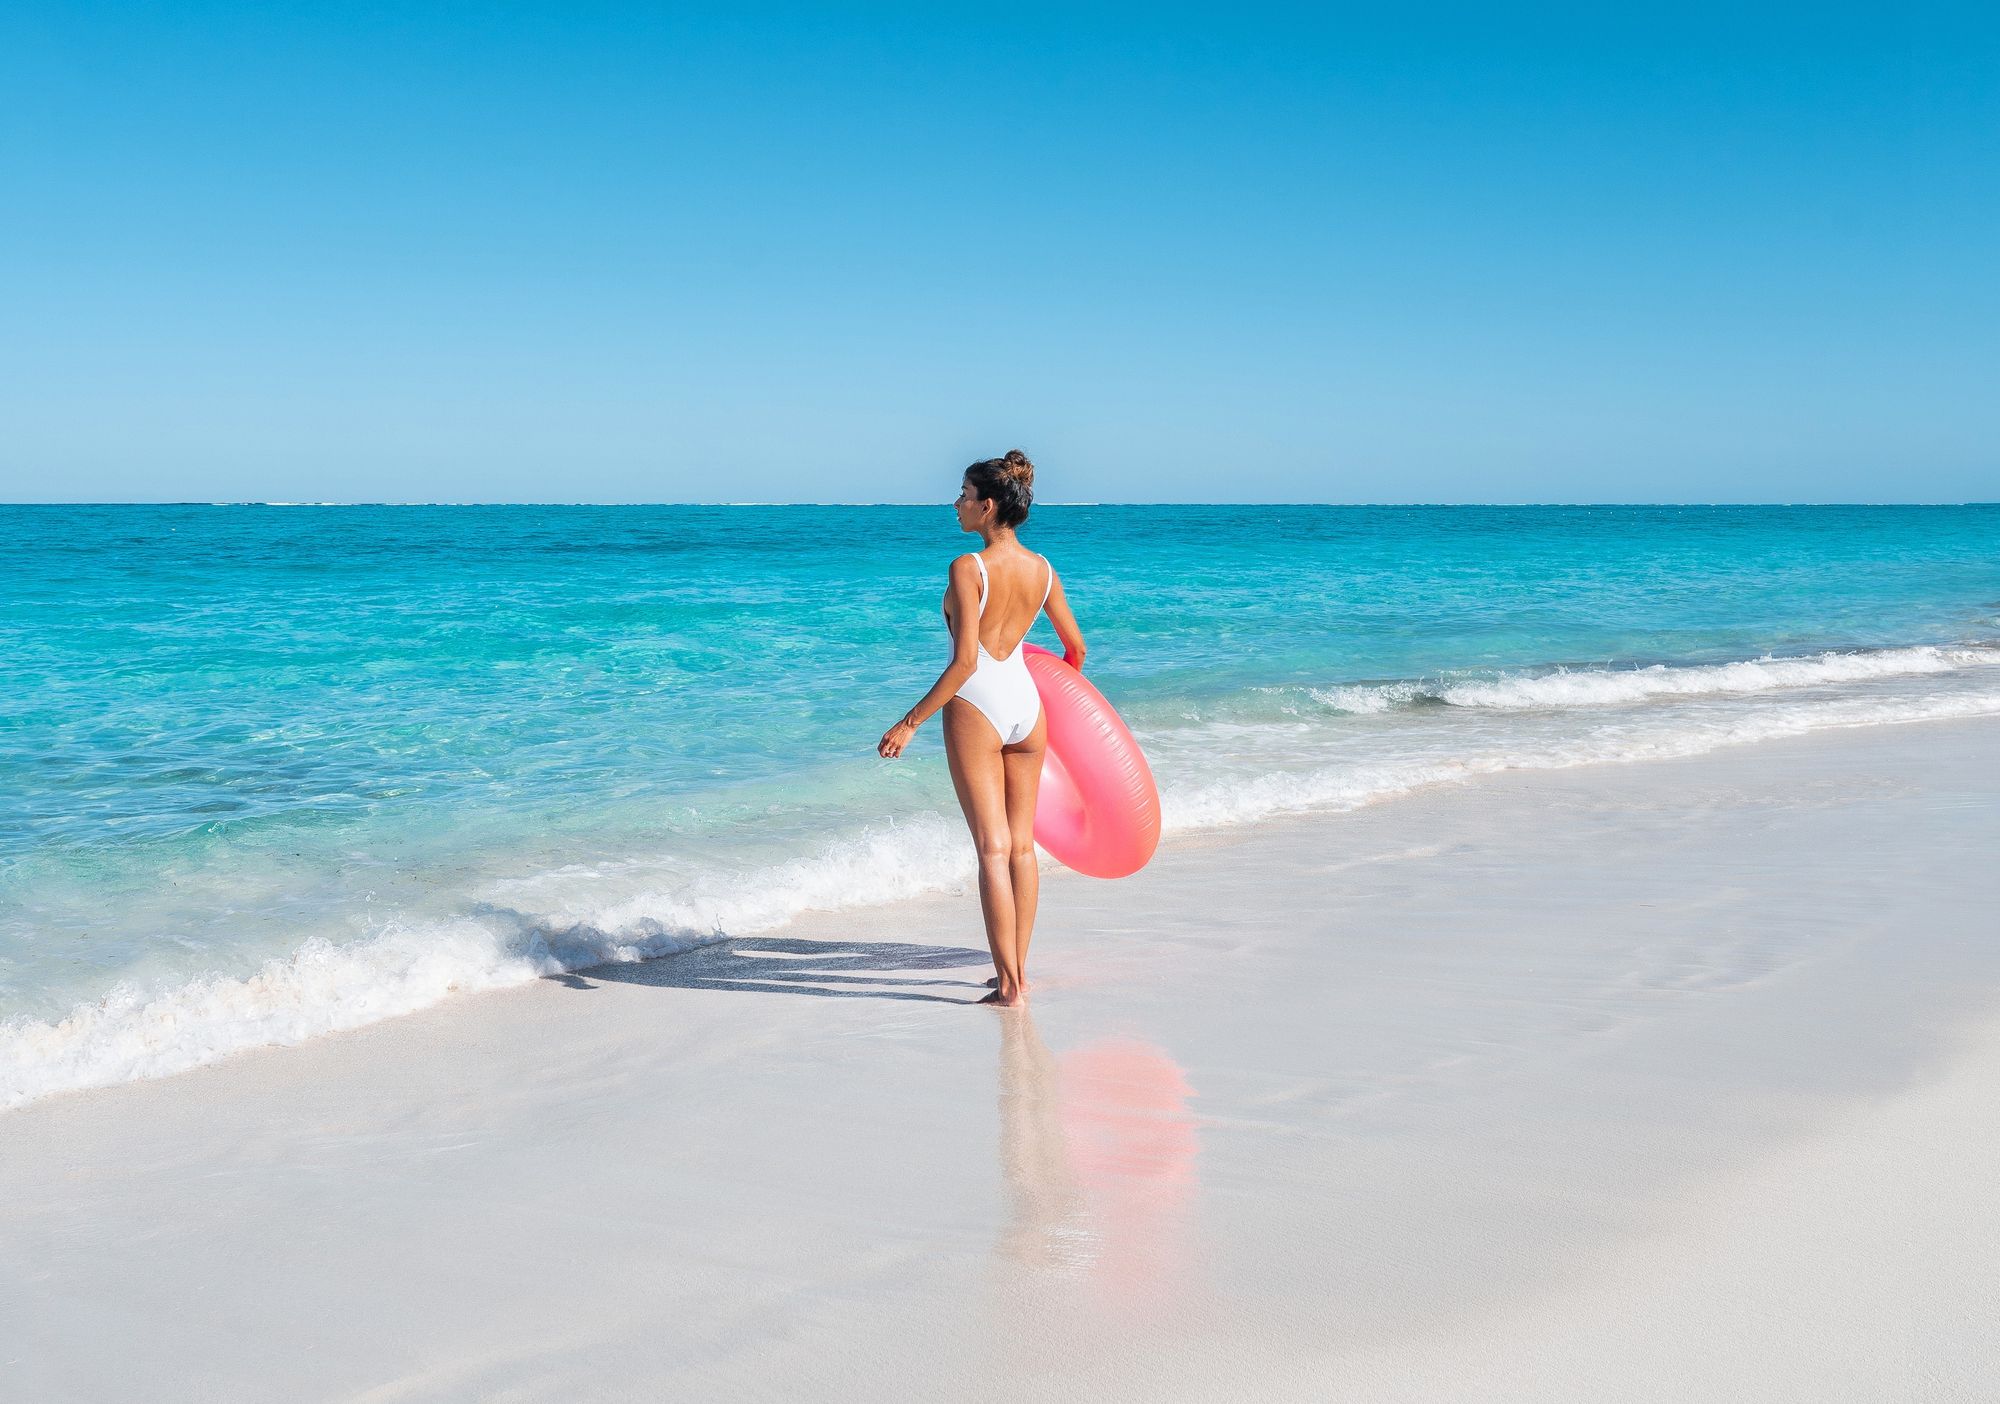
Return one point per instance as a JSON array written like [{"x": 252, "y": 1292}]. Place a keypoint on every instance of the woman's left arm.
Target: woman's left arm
[{"x": 964, "y": 660}]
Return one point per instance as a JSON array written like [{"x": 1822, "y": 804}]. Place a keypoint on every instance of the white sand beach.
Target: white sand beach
[{"x": 1668, "y": 1081}]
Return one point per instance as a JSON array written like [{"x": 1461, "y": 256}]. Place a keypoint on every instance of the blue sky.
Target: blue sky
[{"x": 614, "y": 253}]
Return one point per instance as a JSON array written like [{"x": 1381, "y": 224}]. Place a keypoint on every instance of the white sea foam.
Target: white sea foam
[
  {"x": 321, "y": 988},
  {"x": 1212, "y": 775},
  {"x": 1599, "y": 687},
  {"x": 326, "y": 988},
  {"x": 1596, "y": 688},
  {"x": 1349, "y": 784},
  {"x": 1361, "y": 700}
]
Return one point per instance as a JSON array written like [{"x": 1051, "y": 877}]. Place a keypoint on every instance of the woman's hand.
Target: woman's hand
[{"x": 894, "y": 739}]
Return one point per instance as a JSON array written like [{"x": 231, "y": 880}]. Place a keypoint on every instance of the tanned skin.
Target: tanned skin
[{"x": 996, "y": 784}]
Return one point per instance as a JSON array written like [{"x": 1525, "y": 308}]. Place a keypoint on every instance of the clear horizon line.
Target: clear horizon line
[{"x": 1408, "y": 505}]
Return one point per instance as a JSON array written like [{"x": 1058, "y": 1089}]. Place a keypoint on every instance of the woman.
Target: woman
[{"x": 994, "y": 731}]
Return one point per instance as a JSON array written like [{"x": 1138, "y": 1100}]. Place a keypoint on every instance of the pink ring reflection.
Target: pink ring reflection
[
  {"x": 1098, "y": 1151},
  {"x": 1132, "y": 1145}
]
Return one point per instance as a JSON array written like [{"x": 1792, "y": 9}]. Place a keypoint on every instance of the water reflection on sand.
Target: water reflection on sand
[{"x": 1097, "y": 1153}]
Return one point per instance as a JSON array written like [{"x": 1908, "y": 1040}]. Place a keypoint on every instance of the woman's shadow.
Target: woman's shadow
[{"x": 791, "y": 965}]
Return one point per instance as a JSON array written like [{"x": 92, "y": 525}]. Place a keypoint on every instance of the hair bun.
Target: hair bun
[{"x": 1018, "y": 467}]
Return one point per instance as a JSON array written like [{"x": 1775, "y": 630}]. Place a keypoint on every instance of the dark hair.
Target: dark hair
[{"x": 1008, "y": 483}]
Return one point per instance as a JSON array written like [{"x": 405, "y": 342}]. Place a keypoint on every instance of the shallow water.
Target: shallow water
[{"x": 272, "y": 771}]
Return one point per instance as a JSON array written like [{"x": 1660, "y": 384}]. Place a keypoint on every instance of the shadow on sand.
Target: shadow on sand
[{"x": 775, "y": 965}]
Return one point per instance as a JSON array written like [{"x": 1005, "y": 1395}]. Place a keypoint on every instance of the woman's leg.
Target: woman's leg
[
  {"x": 1023, "y": 765},
  {"x": 972, "y": 748}
]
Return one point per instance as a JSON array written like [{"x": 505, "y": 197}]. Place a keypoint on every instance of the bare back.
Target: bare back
[{"x": 1017, "y": 585}]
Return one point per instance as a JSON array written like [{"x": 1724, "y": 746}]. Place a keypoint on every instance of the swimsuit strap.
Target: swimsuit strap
[
  {"x": 1046, "y": 589},
  {"x": 982, "y": 582}
]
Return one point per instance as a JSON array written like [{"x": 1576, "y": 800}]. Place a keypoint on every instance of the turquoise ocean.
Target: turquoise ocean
[{"x": 272, "y": 771}]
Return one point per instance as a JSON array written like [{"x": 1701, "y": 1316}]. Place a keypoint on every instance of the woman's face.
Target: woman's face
[{"x": 970, "y": 507}]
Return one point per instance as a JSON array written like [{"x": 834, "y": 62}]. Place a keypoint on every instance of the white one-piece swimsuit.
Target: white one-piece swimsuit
[{"x": 1000, "y": 687}]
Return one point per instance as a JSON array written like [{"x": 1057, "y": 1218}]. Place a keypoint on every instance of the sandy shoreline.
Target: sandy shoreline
[{"x": 1671, "y": 1080}]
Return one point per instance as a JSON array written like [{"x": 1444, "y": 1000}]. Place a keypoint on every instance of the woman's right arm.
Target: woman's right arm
[
  {"x": 964, "y": 586},
  {"x": 1059, "y": 615}
]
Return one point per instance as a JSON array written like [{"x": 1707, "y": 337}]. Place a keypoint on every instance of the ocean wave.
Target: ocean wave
[
  {"x": 1601, "y": 687},
  {"x": 534, "y": 929},
  {"x": 1246, "y": 800}
]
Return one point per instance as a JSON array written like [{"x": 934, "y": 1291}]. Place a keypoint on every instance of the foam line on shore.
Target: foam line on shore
[
  {"x": 1600, "y": 687},
  {"x": 1341, "y": 787},
  {"x": 327, "y": 988}
]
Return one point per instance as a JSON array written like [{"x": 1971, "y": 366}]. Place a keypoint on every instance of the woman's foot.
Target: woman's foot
[
  {"x": 993, "y": 983},
  {"x": 1000, "y": 1001}
]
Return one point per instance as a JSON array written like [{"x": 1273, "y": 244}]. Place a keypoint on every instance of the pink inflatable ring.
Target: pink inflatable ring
[{"x": 1099, "y": 811}]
